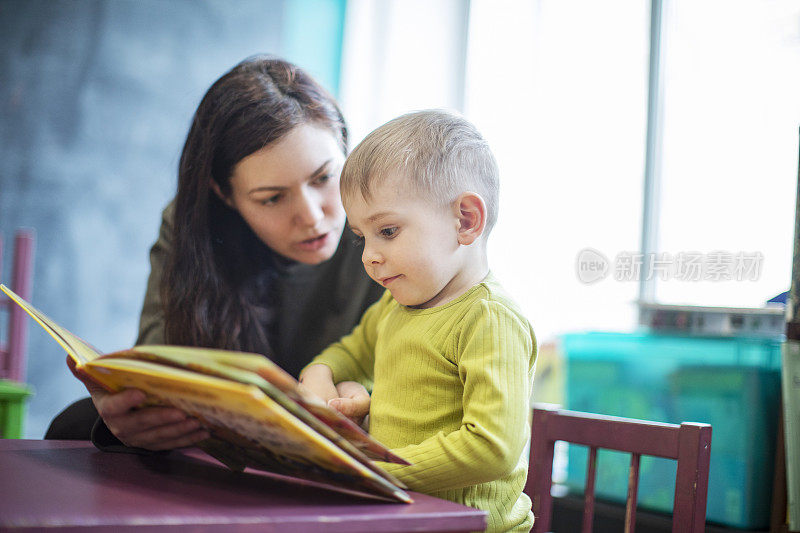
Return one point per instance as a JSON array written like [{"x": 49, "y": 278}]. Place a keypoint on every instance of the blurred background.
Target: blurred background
[{"x": 627, "y": 132}]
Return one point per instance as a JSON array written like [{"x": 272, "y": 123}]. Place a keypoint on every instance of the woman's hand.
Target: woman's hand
[
  {"x": 151, "y": 428},
  {"x": 353, "y": 401}
]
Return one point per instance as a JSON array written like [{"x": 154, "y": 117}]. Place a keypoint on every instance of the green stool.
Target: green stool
[{"x": 13, "y": 396}]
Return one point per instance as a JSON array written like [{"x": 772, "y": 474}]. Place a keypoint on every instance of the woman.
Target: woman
[{"x": 250, "y": 254}]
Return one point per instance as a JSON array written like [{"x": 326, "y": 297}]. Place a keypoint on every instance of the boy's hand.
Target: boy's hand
[
  {"x": 348, "y": 397},
  {"x": 353, "y": 401},
  {"x": 318, "y": 380}
]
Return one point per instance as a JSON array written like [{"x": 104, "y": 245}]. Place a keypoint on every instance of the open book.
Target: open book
[{"x": 256, "y": 413}]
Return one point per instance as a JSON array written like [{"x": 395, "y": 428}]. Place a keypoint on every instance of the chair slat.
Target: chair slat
[
  {"x": 588, "y": 497},
  {"x": 633, "y": 491},
  {"x": 541, "y": 462}
]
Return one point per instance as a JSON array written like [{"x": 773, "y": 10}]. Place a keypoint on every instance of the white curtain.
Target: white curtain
[{"x": 400, "y": 56}]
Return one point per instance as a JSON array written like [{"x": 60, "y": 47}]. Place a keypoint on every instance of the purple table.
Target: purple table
[{"x": 73, "y": 486}]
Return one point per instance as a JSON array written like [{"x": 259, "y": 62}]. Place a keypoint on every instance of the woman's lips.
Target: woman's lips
[{"x": 314, "y": 244}]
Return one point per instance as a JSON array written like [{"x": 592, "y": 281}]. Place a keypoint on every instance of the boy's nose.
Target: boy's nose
[{"x": 371, "y": 257}]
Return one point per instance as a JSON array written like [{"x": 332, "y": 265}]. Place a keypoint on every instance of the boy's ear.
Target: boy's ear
[
  {"x": 471, "y": 213},
  {"x": 225, "y": 199}
]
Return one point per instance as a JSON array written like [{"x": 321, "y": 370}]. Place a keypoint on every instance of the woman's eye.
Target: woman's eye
[
  {"x": 323, "y": 179},
  {"x": 272, "y": 200},
  {"x": 389, "y": 232}
]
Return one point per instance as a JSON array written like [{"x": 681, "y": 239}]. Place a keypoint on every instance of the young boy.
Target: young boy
[{"x": 448, "y": 355}]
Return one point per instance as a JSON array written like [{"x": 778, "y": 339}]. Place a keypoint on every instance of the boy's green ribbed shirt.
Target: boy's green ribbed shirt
[{"x": 451, "y": 394}]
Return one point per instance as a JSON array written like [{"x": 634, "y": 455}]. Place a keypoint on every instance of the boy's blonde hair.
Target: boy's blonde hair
[{"x": 439, "y": 153}]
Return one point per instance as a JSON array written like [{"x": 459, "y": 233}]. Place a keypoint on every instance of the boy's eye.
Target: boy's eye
[{"x": 389, "y": 232}]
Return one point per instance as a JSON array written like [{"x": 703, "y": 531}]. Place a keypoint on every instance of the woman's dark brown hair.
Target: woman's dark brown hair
[{"x": 217, "y": 273}]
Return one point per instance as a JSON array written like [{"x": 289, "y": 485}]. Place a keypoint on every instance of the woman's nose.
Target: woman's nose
[{"x": 309, "y": 210}]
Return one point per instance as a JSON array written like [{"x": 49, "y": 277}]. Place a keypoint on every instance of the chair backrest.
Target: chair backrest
[
  {"x": 689, "y": 444},
  {"x": 12, "y": 351}
]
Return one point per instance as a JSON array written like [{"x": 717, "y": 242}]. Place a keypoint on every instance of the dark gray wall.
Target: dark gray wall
[{"x": 95, "y": 101}]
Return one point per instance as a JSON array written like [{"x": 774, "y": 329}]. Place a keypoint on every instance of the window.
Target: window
[
  {"x": 560, "y": 90},
  {"x": 731, "y": 74}
]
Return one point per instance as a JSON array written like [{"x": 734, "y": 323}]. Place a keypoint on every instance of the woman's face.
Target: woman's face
[{"x": 288, "y": 193}]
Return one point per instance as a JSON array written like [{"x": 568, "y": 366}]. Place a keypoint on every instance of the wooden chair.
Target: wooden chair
[
  {"x": 12, "y": 351},
  {"x": 689, "y": 444}
]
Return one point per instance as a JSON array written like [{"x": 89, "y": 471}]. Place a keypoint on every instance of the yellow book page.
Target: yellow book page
[
  {"x": 78, "y": 349},
  {"x": 227, "y": 407},
  {"x": 220, "y": 362},
  {"x": 257, "y": 370}
]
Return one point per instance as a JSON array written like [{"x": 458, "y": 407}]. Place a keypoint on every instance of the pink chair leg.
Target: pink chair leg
[{"x": 22, "y": 284}]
